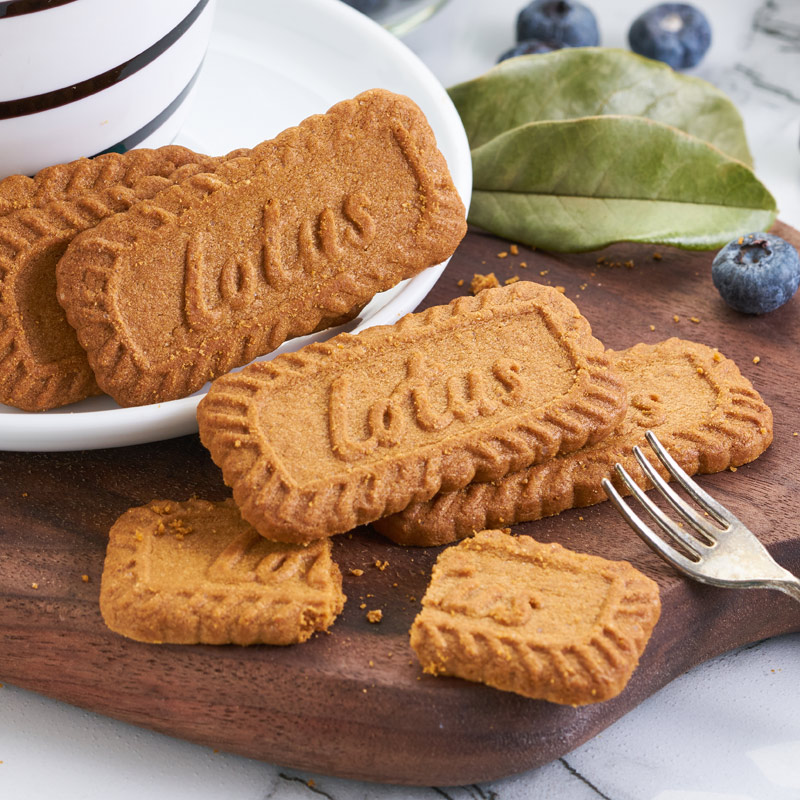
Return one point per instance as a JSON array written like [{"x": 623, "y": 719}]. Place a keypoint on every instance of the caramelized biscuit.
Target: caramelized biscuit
[
  {"x": 196, "y": 572},
  {"x": 535, "y": 619},
  {"x": 309, "y": 227},
  {"x": 338, "y": 434},
  {"x": 41, "y": 363},
  {"x": 696, "y": 401}
]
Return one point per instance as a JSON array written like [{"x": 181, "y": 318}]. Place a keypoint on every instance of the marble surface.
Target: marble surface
[{"x": 727, "y": 730}]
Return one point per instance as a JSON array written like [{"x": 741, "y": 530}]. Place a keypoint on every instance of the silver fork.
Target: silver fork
[{"x": 729, "y": 556}]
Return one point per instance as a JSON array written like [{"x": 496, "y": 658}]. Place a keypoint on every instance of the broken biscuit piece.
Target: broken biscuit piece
[
  {"x": 196, "y": 572},
  {"x": 535, "y": 619}
]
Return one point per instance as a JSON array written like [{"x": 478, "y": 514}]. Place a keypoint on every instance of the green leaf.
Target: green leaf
[
  {"x": 593, "y": 81},
  {"x": 582, "y": 184}
]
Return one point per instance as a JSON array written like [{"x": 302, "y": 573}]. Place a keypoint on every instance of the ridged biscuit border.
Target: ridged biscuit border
[
  {"x": 278, "y": 509},
  {"x": 739, "y": 431},
  {"x": 211, "y": 615},
  {"x": 88, "y": 191},
  {"x": 578, "y": 673}
]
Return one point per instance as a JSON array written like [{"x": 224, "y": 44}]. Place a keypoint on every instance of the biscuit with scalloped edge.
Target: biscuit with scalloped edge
[
  {"x": 223, "y": 268},
  {"x": 340, "y": 433},
  {"x": 195, "y": 572},
  {"x": 42, "y": 365},
  {"x": 694, "y": 399},
  {"x": 535, "y": 619}
]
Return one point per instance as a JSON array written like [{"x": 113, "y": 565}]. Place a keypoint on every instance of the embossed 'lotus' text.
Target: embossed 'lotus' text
[
  {"x": 388, "y": 418},
  {"x": 322, "y": 239}
]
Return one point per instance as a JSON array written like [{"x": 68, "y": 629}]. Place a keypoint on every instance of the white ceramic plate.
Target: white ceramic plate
[{"x": 270, "y": 64}]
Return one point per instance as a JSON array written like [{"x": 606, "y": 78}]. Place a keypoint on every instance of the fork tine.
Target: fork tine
[
  {"x": 677, "y": 502},
  {"x": 666, "y": 551},
  {"x": 702, "y": 498},
  {"x": 663, "y": 521}
]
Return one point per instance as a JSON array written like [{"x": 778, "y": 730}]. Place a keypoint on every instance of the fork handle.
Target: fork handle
[{"x": 790, "y": 587}]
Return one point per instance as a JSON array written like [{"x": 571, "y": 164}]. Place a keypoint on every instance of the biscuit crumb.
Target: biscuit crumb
[
  {"x": 732, "y": 468},
  {"x": 514, "y": 250},
  {"x": 630, "y": 263},
  {"x": 560, "y": 289},
  {"x": 795, "y": 433},
  {"x": 481, "y": 282},
  {"x": 376, "y": 615},
  {"x": 756, "y": 359},
  {"x": 694, "y": 319},
  {"x": 381, "y": 565},
  {"x": 544, "y": 272},
  {"x": 513, "y": 279},
  {"x": 85, "y": 578},
  {"x": 357, "y": 572},
  {"x": 24, "y": 494},
  {"x": 676, "y": 318},
  {"x": 34, "y": 586},
  {"x": 503, "y": 254},
  {"x": 460, "y": 282},
  {"x": 657, "y": 256},
  {"x": 370, "y": 663},
  {"x": 652, "y": 327},
  {"x": 523, "y": 264}
]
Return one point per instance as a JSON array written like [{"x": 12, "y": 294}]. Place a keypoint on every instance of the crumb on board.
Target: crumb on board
[
  {"x": 560, "y": 289},
  {"x": 514, "y": 250},
  {"x": 652, "y": 327},
  {"x": 381, "y": 565},
  {"x": 544, "y": 272},
  {"x": 756, "y": 359},
  {"x": 34, "y": 586},
  {"x": 503, "y": 254},
  {"x": 696, "y": 320},
  {"x": 481, "y": 282},
  {"x": 676, "y": 318},
  {"x": 357, "y": 572},
  {"x": 657, "y": 256},
  {"x": 375, "y": 615},
  {"x": 85, "y": 578},
  {"x": 732, "y": 468},
  {"x": 510, "y": 280},
  {"x": 523, "y": 264},
  {"x": 460, "y": 282}
]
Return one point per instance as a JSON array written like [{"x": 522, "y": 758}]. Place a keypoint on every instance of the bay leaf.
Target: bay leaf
[
  {"x": 591, "y": 81},
  {"x": 577, "y": 185}
]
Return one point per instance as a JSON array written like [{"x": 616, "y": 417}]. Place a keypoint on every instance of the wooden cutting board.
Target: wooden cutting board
[{"x": 354, "y": 702}]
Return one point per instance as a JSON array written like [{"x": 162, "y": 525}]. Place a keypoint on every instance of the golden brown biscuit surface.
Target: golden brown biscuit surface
[
  {"x": 695, "y": 400},
  {"x": 41, "y": 363},
  {"x": 225, "y": 267},
  {"x": 535, "y": 619},
  {"x": 337, "y": 434},
  {"x": 196, "y": 572}
]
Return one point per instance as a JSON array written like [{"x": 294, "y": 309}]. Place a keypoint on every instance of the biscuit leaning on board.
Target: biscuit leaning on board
[
  {"x": 225, "y": 267},
  {"x": 535, "y": 619},
  {"x": 195, "y": 572},
  {"x": 706, "y": 414},
  {"x": 42, "y": 365},
  {"x": 340, "y": 433}
]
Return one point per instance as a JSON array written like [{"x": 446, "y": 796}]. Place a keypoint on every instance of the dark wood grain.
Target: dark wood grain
[{"x": 353, "y": 702}]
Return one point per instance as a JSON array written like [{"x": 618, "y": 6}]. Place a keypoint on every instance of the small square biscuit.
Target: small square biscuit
[
  {"x": 196, "y": 572},
  {"x": 535, "y": 619}
]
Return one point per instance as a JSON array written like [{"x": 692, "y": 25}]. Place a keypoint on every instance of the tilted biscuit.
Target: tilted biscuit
[
  {"x": 41, "y": 363},
  {"x": 535, "y": 619},
  {"x": 696, "y": 401},
  {"x": 195, "y": 572},
  {"x": 338, "y": 434},
  {"x": 225, "y": 267}
]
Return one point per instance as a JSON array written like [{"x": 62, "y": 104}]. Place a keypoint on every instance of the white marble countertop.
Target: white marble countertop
[{"x": 727, "y": 730}]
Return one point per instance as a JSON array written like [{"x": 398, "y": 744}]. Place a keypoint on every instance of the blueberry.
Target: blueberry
[
  {"x": 569, "y": 24},
  {"x": 529, "y": 47},
  {"x": 675, "y": 33},
  {"x": 756, "y": 273},
  {"x": 366, "y": 6}
]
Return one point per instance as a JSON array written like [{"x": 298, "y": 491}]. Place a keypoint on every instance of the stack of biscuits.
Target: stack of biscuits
[{"x": 453, "y": 424}]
